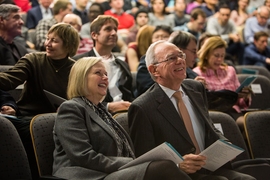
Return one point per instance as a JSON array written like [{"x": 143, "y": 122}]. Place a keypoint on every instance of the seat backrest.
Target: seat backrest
[
  {"x": 243, "y": 69},
  {"x": 258, "y": 133},
  {"x": 41, "y": 129},
  {"x": 122, "y": 119},
  {"x": 14, "y": 162},
  {"x": 31, "y": 36},
  {"x": 231, "y": 132},
  {"x": 259, "y": 101}
]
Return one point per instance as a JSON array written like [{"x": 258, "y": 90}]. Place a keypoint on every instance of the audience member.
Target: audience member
[
  {"x": 143, "y": 78},
  {"x": 81, "y": 10},
  {"x": 258, "y": 53},
  {"x": 104, "y": 35},
  {"x": 11, "y": 24},
  {"x": 60, "y": 9},
  {"x": 137, "y": 49},
  {"x": 180, "y": 16},
  {"x": 194, "y": 4},
  {"x": 141, "y": 19},
  {"x": 158, "y": 15},
  {"x": 196, "y": 24},
  {"x": 38, "y": 71},
  {"x": 84, "y": 122},
  {"x": 74, "y": 20},
  {"x": 95, "y": 10},
  {"x": 45, "y": 70},
  {"x": 25, "y": 5},
  {"x": 240, "y": 15},
  {"x": 125, "y": 20},
  {"x": 191, "y": 129},
  {"x": 35, "y": 14},
  {"x": 185, "y": 42},
  {"x": 223, "y": 26},
  {"x": 219, "y": 76},
  {"x": 210, "y": 8},
  {"x": 260, "y": 22}
]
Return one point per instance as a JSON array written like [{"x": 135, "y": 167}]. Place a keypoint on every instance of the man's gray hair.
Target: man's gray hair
[
  {"x": 6, "y": 9},
  {"x": 150, "y": 56}
]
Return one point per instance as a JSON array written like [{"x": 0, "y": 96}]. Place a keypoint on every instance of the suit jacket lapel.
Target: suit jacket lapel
[
  {"x": 196, "y": 97},
  {"x": 96, "y": 118},
  {"x": 92, "y": 53},
  {"x": 167, "y": 109}
]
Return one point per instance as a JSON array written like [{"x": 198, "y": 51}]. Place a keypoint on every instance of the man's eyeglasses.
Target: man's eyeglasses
[{"x": 173, "y": 58}]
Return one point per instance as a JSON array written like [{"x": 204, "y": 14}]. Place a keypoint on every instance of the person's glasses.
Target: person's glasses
[
  {"x": 194, "y": 52},
  {"x": 263, "y": 17},
  {"x": 173, "y": 58}
]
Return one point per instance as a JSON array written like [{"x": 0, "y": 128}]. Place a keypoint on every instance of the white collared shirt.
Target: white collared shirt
[
  {"x": 45, "y": 15},
  {"x": 196, "y": 124}
]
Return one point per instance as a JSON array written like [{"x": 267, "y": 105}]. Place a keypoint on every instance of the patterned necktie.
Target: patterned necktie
[{"x": 186, "y": 118}]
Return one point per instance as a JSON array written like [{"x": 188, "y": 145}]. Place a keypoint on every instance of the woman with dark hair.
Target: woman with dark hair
[
  {"x": 158, "y": 15},
  {"x": 240, "y": 14}
]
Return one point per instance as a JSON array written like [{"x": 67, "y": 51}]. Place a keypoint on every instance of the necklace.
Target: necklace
[{"x": 57, "y": 70}]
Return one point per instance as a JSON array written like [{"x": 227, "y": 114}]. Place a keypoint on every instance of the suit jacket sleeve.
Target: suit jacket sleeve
[{"x": 85, "y": 145}]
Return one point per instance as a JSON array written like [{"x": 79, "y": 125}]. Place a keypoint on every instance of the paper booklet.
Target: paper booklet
[
  {"x": 217, "y": 154},
  {"x": 165, "y": 151}
]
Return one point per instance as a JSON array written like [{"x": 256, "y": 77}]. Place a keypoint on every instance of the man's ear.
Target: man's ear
[
  {"x": 94, "y": 35},
  {"x": 153, "y": 70},
  {"x": 1, "y": 19}
]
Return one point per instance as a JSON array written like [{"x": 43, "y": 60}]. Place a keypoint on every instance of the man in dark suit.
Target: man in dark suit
[
  {"x": 104, "y": 35},
  {"x": 35, "y": 14},
  {"x": 10, "y": 26},
  {"x": 154, "y": 117}
]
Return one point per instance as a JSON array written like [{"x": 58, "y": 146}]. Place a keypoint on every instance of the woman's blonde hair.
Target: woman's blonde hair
[
  {"x": 207, "y": 49},
  {"x": 69, "y": 35},
  {"x": 77, "y": 82},
  {"x": 144, "y": 39}
]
